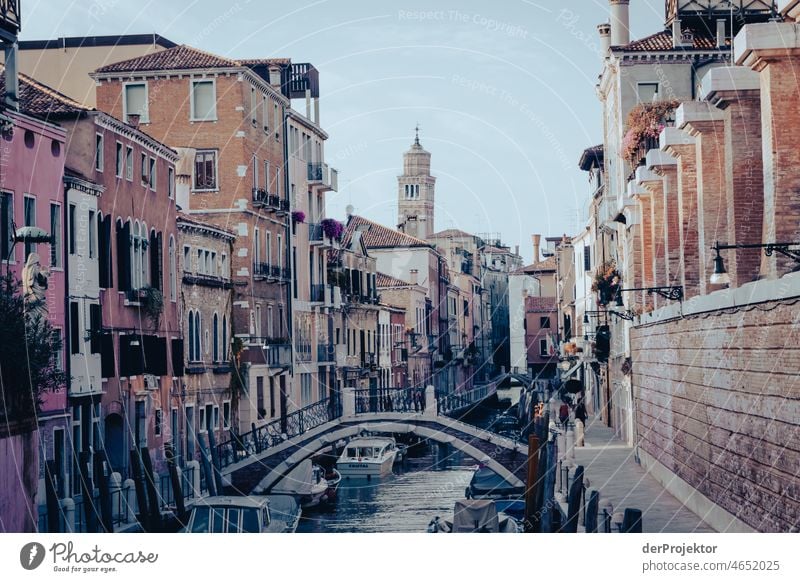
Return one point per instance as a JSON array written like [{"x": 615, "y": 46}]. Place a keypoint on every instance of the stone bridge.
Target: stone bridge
[{"x": 258, "y": 471}]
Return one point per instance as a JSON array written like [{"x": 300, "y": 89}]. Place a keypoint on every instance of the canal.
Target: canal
[{"x": 426, "y": 484}]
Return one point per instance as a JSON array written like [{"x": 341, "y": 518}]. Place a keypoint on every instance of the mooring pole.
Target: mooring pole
[{"x": 531, "y": 486}]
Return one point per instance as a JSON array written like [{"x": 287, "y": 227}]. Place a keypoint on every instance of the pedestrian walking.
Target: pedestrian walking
[
  {"x": 580, "y": 411},
  {"x": 563, "y": 414}
]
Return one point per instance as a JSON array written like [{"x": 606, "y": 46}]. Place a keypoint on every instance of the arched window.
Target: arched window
[
  {"x": 173, "y": 279},
  {"x": 190, "y": 336},
  {"x": 136, "y": 258},
  {"x": 225, "y": 337},
  {"x": 215, "y": 344},
  {"x": 197, "y": 336}
]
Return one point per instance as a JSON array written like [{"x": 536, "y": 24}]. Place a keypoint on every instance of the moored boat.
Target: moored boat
[
  {"x": 244, "y": 514},
  {"x": 367, "y": 457},
  {"x": 475, "y": 516}
]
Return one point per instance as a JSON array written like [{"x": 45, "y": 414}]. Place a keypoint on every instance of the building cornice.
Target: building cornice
[{"x": 108, "y": 122}]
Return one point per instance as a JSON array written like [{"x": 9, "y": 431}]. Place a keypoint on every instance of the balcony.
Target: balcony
[
  {"x": 320, "y": 174},
  {"x": 302, "y": 350},
  {"x": 317, "y": 293},
  {"x": 207, "y": 280},
  {"x": 303, "y": 78},
  {"x": 316, "y": 236},
  {"x": 369, "y": 361},
  {"x": 278, "y": 355},
  {"x": 10, "y": 17},
  {"x": 270, "y": 202}
]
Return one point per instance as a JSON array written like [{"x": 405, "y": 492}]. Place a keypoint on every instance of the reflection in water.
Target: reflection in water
[{"x": 426, "y": 484}]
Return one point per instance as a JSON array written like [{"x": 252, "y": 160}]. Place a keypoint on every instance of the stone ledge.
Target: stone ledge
[
  {"x": 721, "y": 85},
  {"x": 672, "y": 136},
  {"x": 659, "y": 159},
  {"x": 645, "y": 176},
  {"x": 786, "y": 287},
  {"x": 789, "y": 8},
  {"x": 756, "y": 44},
  {"x": 692, "y": 116}
]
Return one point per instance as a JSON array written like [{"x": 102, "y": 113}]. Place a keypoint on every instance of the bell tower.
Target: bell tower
[{"x": 415, "y": 192}]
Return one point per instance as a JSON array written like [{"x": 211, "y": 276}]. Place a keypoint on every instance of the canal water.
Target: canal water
[{"x": 424, "y": 485}]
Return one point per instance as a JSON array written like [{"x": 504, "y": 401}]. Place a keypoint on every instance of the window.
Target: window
[
  {"x": 270, "y": 321},
  {"x": 204, "y": 100},
  {"x": 74, "y": 328},
  {"x": 58, "y": 355},
  {"x": 280, "y": 251},
  {"x": 71, "y": 241},
  {"x": 171, "y": 183},
  {"x": 205, "y": 170},
  {"x": 647, "y": 92},
  {"x": 224, "y": 266},
  {"x": 266, "y": 113},
  {"x": 95, "y": 328},
  {"x": 153, "y": 174},
  {"x": 587, "y": 258},
  {"x": 129, "y": 163},
  {"x": 158, "y": 418},
  {"x": 543, "y": 351},
  {"x": 253, "y": 106},
  {"x": 224, "y": 344},
  {"x": 226, "y": 414},
  {"x": 29, "y": 212},
  {"x": 6, "y": 220},
  {"x": 135, "y": 102},
  {"x": 173, "y": 280},
  {"x": 187, "y": 259},
  {"x": 203, "y": 422},
  {"x": 55, "y": 230},
  {"x": 544, "y": 322},
  {"x": 201, "y": 263},
  {"x": 258, "y": 321},
  {"x": 268, "y": 248},
  {"x": 98, "y": 152},
  {"x": 216, "y": 417},
  {"x": 213, "y": 271},
  {"x": 256, "y": 248},
  {"x": 215, "y": 344},
  {"x": 92, "y": 234},
  {"x": 144, "y": 170},
  {"x": 260, "y": 397},
  {"x": 118, "y": 161},
  {"x": 276, "y": 121}
]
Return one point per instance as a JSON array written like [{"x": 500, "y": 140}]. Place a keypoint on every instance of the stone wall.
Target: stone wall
[{"x": 717, "y": 397}]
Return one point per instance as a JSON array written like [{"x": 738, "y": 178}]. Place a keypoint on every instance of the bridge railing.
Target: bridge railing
[
  {"x": 277, "y": 431},
  {"x": 451, "y": 403},
  {"x": 389, "y": 400}
]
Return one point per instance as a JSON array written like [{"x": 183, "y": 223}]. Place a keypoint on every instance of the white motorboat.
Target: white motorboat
[
  {"x": 475, "y": 516},
  {"x": 245, "y": 514},
  {"x": 308, "y": 483},
  {"x": 367, "y": 457}
]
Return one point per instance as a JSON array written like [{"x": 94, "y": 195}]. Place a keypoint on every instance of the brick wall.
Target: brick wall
[{"x": 717, "y": 397}]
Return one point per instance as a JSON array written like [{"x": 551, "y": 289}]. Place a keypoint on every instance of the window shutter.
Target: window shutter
[
  {"x": 177, "y": 357},
  {"x": 95, "y": 325},
  {"x": 131, "y": 358},
  {"x": 107, "y": 356},
  {"x": 74, "y": 329},
  {"x": 587, "y": 258},
  {"x": 102, "y": 252},
  {"x": 155, "y": 355}
]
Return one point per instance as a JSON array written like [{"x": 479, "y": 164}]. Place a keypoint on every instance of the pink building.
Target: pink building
[
  {"x": 31, "y": 194},
  {"x": 541, "y": 333}
]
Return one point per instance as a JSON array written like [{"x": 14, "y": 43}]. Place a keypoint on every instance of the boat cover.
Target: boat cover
[
  {"x": 475, "y": 515},
  {"x": 298, "y": 482},
  {"x": 486, "y": 482}
]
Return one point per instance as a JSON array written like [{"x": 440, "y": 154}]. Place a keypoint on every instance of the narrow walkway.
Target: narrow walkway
[{"x": 611, "y": 468}]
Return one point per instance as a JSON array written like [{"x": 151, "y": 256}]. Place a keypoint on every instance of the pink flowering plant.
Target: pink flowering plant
[
  {"x": 332, "y": 228},
  {"x": 645, "y": 121},
  {"x": 298, "y": 216}
]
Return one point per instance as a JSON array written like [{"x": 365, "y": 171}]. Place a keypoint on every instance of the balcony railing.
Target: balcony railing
[
  {"x": 369, "y": 361},
  {"x": 278, "y": 355},
  {"x": 268, "y": 271},
  {"x": 303, "y": 77},
  {"x": 302, "y": 351},
  {"x": 10, "y": 16},
  {"x": 316, "y": 234},
  {"x": 390, "y": 400},
  {"x": 272, "y": 202},
  {"x": 215, "y": 281}
]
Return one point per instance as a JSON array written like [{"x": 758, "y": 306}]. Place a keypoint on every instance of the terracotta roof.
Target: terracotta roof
[
  {"x": 380, "y": 236},
  {"x": 179, "y": 57},
  {"x": 540, "y": 304},
  {"x": 384, "y": 281},
  {"x": 40, "y": 100},
  {"x": 267, "y": 62},
  {"x": 452, "y": 233},
  {"x": 185, "y": 219},
  {"x": 662, "y": 41},
  {"x": 494, "y": 249},
  {"x": 549, "y": 264}
]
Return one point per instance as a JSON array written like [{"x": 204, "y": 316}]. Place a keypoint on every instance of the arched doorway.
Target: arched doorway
[{"x": 115, "y": 442}]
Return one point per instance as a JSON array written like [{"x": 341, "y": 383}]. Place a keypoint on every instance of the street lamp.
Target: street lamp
[{"x": 720, "y": 276}]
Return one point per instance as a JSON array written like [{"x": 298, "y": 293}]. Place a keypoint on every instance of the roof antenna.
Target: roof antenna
[{"x": 416, "y": 134}]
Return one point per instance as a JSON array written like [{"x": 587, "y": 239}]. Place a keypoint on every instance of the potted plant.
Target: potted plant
[
  {"x": 333, "y": 229},
  {"x": 298, "y": 217},
  {"x": 607, "y": 282},
  {"x": 645, "y": 121},
  {"x": 152, "y": 303}
]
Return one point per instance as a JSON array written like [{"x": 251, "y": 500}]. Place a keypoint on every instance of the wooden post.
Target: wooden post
[
  {"x": 574, "y": 500},
  {"x": 591, "y": 511},
  {"x": 632, "y": 521},
  {"x": 152, "y": 493},
  {"x": 531, "y": 484},
  {"x": 549, "y": 503},
  {"x": 177, "y": 490},
  {"x": 256, "y": 440},
  {"x": 212, "y": 447},
  {"x": 101, "y": 476},
  {"x": 87, "y": 489},
  {"x": 205, "y": 460},
  {"x": 141, "y": 496},
  {"x": 53, "y": 508}
]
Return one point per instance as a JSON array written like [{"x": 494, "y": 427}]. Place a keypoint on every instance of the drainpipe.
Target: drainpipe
[{"x": 289, "y": 253}]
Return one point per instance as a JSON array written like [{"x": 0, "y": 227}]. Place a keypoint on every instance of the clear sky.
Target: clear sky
[{"x": 503, "y": 91}]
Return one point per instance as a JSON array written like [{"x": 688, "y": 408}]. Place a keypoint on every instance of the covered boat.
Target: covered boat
[
  {"x": 486, "y": 484},
  {"x": 308, "y": 483},
  {"x": 475, "y": 516}
]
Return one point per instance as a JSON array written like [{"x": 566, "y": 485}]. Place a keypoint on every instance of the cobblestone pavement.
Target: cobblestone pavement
[{"x": 611, "y": 468}]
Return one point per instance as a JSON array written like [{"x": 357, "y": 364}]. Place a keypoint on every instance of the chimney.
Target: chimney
[
  {"x": 720, "y": 32},
  {"x": 516, "y": 250},
  {"x": 605, "y": 38},
  {"x": 537, "y": 239},
  {"x": 11, "y": 97},
  {"x": 275, "y": 76},
  {"x": 620, "y": 25},
  {"x": 413, "y": 276}
]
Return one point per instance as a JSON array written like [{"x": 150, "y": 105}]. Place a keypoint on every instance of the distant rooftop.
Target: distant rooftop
[{"x": 87, "y": 41}]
